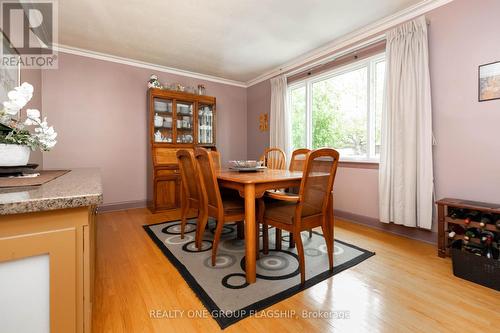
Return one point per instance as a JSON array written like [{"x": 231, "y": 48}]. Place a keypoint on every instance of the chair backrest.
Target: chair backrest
[
  {"x": 317, "y": 182},
  {"x": 207, "y": 172},
  {"x": 216, "y": 158},
  {"x": 274, "y": 158},
  {"x": 298, "y": 159},
  {"x": 189, "y": 174}
]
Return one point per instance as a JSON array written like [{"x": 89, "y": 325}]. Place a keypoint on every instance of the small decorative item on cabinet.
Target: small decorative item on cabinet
[
  {"x": 201, "y": 89},
  {"x": 153, "y": 81}
]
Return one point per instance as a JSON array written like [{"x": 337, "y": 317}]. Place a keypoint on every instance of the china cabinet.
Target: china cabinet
[{"x": 176, "y": 120}]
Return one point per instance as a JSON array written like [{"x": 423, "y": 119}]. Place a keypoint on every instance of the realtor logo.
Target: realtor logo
[{"x": 29, "y": 31}]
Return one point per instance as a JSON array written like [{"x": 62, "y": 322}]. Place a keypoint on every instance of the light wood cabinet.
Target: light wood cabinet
[
  {"x": 67, "y": 237},
  {"x": 176, "y": 120}
]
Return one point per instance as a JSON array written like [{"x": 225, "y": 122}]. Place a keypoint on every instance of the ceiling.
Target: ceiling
[{"x": 232, "y": 39}]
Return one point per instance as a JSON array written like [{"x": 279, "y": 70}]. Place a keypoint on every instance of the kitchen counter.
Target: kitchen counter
[
  {"x": 48, "y": 233},
  {"x": 77, "y": 188}
]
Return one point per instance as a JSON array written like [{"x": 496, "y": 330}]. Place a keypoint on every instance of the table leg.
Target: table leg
[{"x": 250, "y": 257}]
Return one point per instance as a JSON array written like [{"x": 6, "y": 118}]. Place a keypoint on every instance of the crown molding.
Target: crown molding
[
  {"x": 141, "y": 64},
  {"x": 356, "y": 36}
]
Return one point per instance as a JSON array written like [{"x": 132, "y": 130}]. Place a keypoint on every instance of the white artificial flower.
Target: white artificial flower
[
  {"x": 18, "y": 98},
  {"x": 26, "y": 90},
  {"x": 43, "y": 137},
  {"x": 32, "y": 117},
  {"x": 11, "y": 108}
]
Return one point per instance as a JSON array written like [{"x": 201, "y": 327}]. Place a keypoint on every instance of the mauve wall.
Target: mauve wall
[
  {"x": 462, "y": 35},
  {"x": 99, "y": 110},
  {"x": 34, "y": 77},
  {"x": 258, "y": 101}
]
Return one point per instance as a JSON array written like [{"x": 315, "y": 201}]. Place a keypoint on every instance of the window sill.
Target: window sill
[{"x": 358, "y": 164}]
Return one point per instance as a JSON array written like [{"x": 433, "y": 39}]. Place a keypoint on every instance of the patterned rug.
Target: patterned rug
[{"x": 223, "y": 288}]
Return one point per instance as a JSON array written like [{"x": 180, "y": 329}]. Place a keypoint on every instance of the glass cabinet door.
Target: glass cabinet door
[
  {"x": 163, "y": 120},
  {"x": 184, "y": 122},
  {"x": 206, "y": 119}
]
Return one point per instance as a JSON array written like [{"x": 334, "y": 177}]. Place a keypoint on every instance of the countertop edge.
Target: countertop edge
[{"x": 49, "y": 204}]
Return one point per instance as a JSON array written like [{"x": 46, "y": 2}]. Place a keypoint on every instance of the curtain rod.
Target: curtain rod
[
  {"x": 335, "y": 56},
  {"x": 340, "y": 54}
]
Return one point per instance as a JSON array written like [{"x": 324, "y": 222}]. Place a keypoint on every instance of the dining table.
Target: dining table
[{"x": 251, "y": 186}]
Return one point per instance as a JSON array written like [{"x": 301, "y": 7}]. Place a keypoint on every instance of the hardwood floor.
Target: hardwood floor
[{"x": 405, "y": 287}]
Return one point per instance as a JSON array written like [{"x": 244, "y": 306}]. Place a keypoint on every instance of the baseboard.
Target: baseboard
[
  {"x": 413, "y": 233},
  {"x": 110, "y": 207},
  {"x": 400, "y": 230}
]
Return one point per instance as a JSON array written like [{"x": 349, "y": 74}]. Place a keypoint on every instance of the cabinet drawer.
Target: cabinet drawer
[
  {"x": 166, "y": 172},
  {"x": 165, "y": 155}
]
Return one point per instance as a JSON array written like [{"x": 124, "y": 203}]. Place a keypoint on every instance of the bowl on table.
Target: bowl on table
[{"x": 243, "y": 165}]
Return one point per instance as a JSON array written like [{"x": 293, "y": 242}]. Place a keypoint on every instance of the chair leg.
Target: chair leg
[
  {"x": 218, "y": 232},
  {"x": 278, "y": 239},
  {"x": 329, "y": 242},
  {"x": 200, "y": 228},
  {"x": 291, "y": 241},
  {"x": 184, "y": 210},
  {"x": 257, "y": 241},
  {"x": 265, "y": 238},
  {"x": 240, "y": 230},
  {"x": 300, "y": 252}
]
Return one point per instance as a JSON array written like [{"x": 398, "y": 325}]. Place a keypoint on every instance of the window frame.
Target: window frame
[{"x": 371, "y": 64}]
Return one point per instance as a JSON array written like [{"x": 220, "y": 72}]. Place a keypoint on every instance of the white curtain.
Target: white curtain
[
  {"x": 279, "y": 122},
  {"x": 406, "y": 175}
]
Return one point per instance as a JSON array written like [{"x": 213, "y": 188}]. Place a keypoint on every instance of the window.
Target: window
[{"x": 341, "y": 109}]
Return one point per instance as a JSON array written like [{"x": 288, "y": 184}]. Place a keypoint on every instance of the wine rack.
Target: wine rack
[
  {"x": 473, "y": 227},
  {"x": 444, "y": 220}
]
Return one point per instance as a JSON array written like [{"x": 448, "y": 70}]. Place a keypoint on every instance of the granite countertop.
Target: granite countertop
[{"x": 77, "y": 188}]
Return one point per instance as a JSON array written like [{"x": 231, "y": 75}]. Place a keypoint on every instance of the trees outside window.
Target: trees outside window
[{"x": 341, "y": 109}]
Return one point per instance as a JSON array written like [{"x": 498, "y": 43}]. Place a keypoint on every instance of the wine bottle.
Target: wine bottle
[
  {"x": 455, "y": 229},
  {"x": 472, "y": 215},
  {"x": 473, "y": 248},
  {"x": 497, "y": 221},
  {"x": 485, "y": 219},
  {"x": 456, "y": 213},
  {"x": 486, "y": 236},
  {"x": 471, "y": 233},
  {"x": 490, "y": 251}
]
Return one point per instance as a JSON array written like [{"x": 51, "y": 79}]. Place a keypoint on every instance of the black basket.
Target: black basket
[{"x": 477, "y": 269}]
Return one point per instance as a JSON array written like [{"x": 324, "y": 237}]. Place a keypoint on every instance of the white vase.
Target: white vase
[{"x": 14, "y": 155}]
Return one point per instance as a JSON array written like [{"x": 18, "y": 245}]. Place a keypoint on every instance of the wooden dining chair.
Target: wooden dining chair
[
  {"x": 191, "y": 191},
  {"x": 312, "y": 207},
  {"x": 296, "y": 164},
  {"x": 225, "y": 210},
  {"x": 274, "y": 158},
  {"x": 216, "y": 158}
]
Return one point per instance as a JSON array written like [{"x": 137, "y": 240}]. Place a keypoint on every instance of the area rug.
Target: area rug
[{"x": 223, "y": 288}]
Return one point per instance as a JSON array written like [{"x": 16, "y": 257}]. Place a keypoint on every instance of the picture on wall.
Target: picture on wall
[
  {"x": 9, "y": 76},
  {"x": 489, "y": 81}
]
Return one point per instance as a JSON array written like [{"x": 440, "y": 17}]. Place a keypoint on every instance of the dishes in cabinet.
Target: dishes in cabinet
[
  {"x": 158, "y": 120},
  {"x": 162, "y": 106},
  {"x": 159, "y": 137},
  {"x": 185, "y": 138},
  {"x": 167, "y": 122},
  {"x": 184, "y": 109}
]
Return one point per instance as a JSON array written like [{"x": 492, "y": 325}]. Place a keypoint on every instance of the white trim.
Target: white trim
[
  {"x": 370, "y": 64},
  {"x": 142, "y": 64},
  {"x": 359, "y": 35}
]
